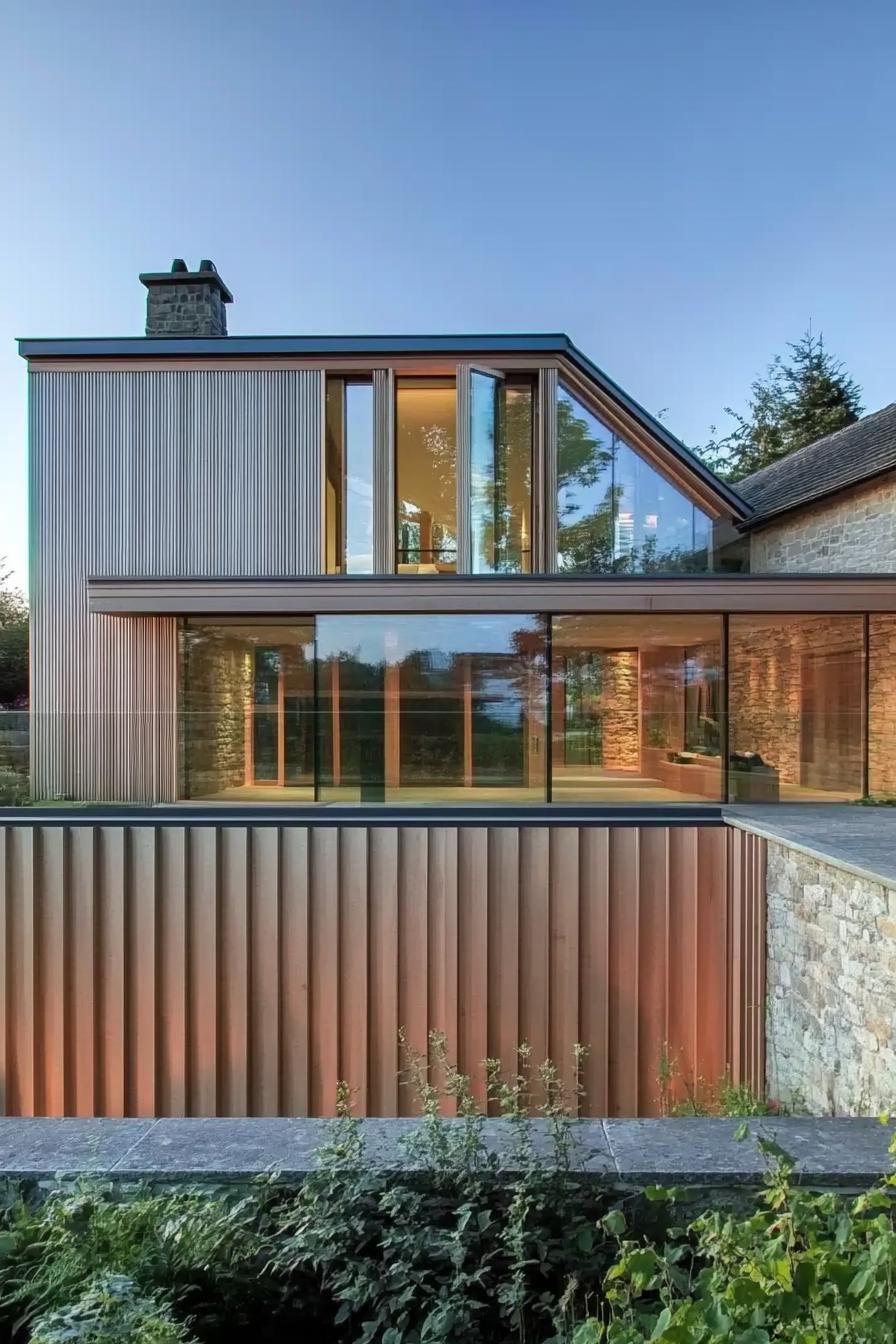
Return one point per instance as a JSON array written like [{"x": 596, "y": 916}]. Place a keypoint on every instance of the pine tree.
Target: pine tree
[{"x": 798, "y": 401}]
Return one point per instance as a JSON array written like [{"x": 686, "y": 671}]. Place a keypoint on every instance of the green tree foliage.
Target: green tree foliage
[
  {"x": 13, "y": 642},
  {"x": 801, "y": 398}
]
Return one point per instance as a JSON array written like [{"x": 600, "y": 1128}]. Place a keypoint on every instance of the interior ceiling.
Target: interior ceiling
[
  {"x": 418, "y": 410},
  {"x": 634, "y": 632}
]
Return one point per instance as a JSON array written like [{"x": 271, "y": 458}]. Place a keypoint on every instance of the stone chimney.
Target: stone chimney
[{"x": 186, "y": 303}]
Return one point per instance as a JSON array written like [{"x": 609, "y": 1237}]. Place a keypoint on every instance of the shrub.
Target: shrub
[
  {"x": 463, "y": 1243},
  {"x": 203, "y": 1252},
  {"x": 805, "y": 1268},
  {"x": 112, "y": 1310}
]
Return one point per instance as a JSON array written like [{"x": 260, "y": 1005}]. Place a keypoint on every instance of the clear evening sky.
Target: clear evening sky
[{"x": 679, "y": 186}]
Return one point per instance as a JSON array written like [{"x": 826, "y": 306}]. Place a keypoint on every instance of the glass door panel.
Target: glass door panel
[
  {"x": 498, "y": 502},
  {"x": 486, "y": 505},
  {"x": 282, "y": 718}
]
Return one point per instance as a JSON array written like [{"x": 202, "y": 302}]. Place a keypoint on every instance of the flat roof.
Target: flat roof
[
  {"x": 540, "y": 343},
  {"x": 562, "y": 594}
]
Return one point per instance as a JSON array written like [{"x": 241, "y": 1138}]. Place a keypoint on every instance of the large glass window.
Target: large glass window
[
  {"x": 436, "y": 708},
  {"x": 796, "y": 708},
  {"x": 426, "y": 475},
  {"x": 636, "y": 709},
  {"x": 247, "y": 710},
  {"x": 501, "y": 422},
  {"x": 349, "y": 476},
  {"x": 432, "y": 708},
  {"x": 615, "y": 512}
]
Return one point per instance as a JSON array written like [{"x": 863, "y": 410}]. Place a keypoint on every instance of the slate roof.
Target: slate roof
[{"x": 837, "y": 461}]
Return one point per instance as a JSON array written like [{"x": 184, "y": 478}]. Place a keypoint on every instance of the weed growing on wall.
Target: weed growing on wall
[
  {"x": 467, "y": 1241},
  {"x": 678, "y": 1096}
]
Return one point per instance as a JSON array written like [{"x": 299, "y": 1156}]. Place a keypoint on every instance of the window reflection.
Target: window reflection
[
  {"x": 441, "y": 707},
  {"x": 426, "y": 475},
  {"x": 796, "y": 706},
  {"x": 432, "y": 708},
  {"x": 615, "y": 513},
  {"x": 349, "y": 476},
  {"x": 636, "y": 709},
  {"x": 501, "y": 422},
  {"x": 247, "y": 710},
  {"x": 882, "y": 706}
]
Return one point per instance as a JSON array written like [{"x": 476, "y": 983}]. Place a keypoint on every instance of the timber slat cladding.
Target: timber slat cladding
[{"x": 235, "y": 969}]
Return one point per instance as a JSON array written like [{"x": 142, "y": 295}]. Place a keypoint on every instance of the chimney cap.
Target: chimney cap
[{"x": 180, "y": 275}]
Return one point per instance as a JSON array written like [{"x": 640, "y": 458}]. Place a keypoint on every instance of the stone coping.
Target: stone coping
[
  {"x": 857, "y": 840},
  {"x": 688, "y": 1151}
]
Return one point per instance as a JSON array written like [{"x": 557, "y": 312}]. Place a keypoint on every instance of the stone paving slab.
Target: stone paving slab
[
  {"x": 693, "y": 1150},
  {"x": 236, "y": 1149},
  {"x": 860, "y": 839},
  {"x": 43, "y": 1148},
  {"x": 686, "y": 1151}
]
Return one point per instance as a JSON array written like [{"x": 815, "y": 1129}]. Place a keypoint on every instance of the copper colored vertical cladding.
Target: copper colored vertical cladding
[{"x": 238, "y": 969}]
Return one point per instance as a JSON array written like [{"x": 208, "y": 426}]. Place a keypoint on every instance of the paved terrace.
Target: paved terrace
[{"x": 861, "y": 840}]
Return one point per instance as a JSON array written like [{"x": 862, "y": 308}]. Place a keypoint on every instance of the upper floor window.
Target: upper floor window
[
  {"x": 426, "y": 475},
  {"x": 349, "y": 476},
  {"x": 501, "y": 419},
  {"x": 615, "y": 513}
]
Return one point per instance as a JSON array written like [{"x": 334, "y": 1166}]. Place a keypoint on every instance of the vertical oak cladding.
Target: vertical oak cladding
[
  {"x": 234, "y": 969},
  {"x": 214, "y": 473}
]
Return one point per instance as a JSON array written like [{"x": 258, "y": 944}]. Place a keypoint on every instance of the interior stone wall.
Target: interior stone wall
[
  {"x": 619, "y": 705},
  {"x": 216, "y": 693},
  {"x": 765, "y": 681},
  {"x": 882, "y": 705}
]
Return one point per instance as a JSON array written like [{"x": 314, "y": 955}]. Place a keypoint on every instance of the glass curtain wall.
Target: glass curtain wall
[
  {"x": 615, "y": 513},
  {"x": 247, "y": 710},
  {"x": 882, "y": 706},
  {"x": 579, "y": 708},
  {"x": 636, "y": 709},
  {"x": 432, "y": 708},
  {"x": 796, "y": 698}
]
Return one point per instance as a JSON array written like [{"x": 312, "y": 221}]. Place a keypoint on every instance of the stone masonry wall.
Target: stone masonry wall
[
  {"x": 831, "y": 1005},
  {"x": 855, "y": 532}
]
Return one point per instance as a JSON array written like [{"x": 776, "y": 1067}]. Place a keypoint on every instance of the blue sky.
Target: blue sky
[{"x": 680, "y": 187}]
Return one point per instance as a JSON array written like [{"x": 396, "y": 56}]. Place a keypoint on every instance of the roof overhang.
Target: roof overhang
[
  {"x": 553, "y": 594},
  {"x": 710, "y": 491}
]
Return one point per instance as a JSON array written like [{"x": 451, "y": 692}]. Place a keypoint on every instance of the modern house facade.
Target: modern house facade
[{"x": 426, "y": 570}]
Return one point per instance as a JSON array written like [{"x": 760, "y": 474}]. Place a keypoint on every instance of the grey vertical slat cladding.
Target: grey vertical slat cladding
[
  {"x": 383, "y": 471},
  {"x": 180, "y": 473},
  {"x": 546, "y": 456}
]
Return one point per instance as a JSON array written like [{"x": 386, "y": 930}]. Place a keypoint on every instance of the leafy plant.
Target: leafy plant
[
  {"x": 111, "y": 1310},
  {"x": 203, "y": 1252},
  {"x": 805, "y": 1268},
  {"x": 464, "y": 1242},
  {"x": 678, "y": 1096}
]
